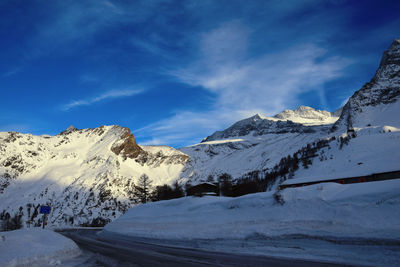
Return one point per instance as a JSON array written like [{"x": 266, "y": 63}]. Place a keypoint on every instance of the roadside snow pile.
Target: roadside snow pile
[
  {"x": 369, "y": 210},
  {"x": 35, "y": 247}
]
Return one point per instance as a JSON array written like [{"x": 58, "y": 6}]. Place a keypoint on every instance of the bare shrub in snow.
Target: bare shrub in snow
[{"x": 278, "y": 197}]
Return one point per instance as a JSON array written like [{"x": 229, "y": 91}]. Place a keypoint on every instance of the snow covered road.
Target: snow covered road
[{"x": 129, "y": 251}]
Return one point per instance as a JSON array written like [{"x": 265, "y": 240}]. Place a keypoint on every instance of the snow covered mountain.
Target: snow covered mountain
[
  {"x": 377, "y": 102},
  {"x": 251, "y": 145},
  {"x": 257, "y": 145},
  {"x": 83, "y": 174},
  {"x": 87, "y": 175}
]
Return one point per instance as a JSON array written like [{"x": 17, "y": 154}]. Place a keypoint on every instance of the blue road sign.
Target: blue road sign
[{"x": 45, "y": 209}]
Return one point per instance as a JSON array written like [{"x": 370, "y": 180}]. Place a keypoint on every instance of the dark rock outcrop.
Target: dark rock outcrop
[
  {"x": 69, "y": 130},
  {"x": 128, "y": 148}
]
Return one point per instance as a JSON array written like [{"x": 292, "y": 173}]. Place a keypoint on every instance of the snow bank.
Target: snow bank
[
  {"x": 369, "y": 210},
  {"x": 35, "y": 247}
]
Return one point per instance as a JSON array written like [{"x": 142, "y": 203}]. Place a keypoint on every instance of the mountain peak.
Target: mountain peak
[
  {"x": 305, "y": 114},
  {"x": 396, "y": 42},
  {"x": 390, "y": 62},
  {"x": 304, "y": 108},
  {"x": 256, "y": 117},
  {"x": 383, "y": 89},
  {"x": 70, "y": 129}
]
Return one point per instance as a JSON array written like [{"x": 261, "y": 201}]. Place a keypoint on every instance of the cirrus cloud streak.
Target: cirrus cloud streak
[{"x": 104, "y": 96}]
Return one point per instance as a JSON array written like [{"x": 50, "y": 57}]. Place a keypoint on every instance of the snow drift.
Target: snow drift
[
  {"x": 367, "y": 210},
  {"x": 35, "y": 247}
]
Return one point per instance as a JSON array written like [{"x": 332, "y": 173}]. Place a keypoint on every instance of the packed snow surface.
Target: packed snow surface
[
  {"x": 35, "y": 247},
  {"x": 369, "y": 210}
]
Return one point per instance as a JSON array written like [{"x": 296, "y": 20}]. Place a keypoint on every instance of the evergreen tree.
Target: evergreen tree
[
  {"x": 178, "y": 190},
  {"x": 162, "y": 192},
  {"x": 166, "y": 192},
  {"x": 188, "y": 189},
  {"x": 16, "y": 222},
  {"x": 132, "y": 191},
  {"x": 225, "y": 184},
  {"x": 143, "y": 188},
  {"x": 210, "y": 179}
]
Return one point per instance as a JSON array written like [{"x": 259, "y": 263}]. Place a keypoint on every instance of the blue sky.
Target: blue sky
[{"x": 176, "y": 71}]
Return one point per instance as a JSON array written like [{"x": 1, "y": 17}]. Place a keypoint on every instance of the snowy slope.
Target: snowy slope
[
  {"x": 367, "y": 210},
  {"x": 35, "y": 247},
  {"x": 82, "y": 174},
  {"x": 373, "y": 150},
  {"x": 256, "y": 143},
  {"x": 241, "y": 155}
]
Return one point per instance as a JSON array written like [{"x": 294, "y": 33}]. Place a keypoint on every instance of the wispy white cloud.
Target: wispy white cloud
[
  {"x": 11, "y": 72},
  {"x": 183, "y": 126},
  {"x": 75, "y": 20},
  {"x": 268, "y": 82},
  {"x": 106, "y": 95},
  {"x": 84, "y": 19},
  {"x": 243, "y": 84}
]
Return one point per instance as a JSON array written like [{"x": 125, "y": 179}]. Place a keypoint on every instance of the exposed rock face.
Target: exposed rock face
[
  {"x": 389, "y": 66},
  {"x": 128, "y": 148},
  {"x": 160, "y": 158},
  {"x": 383, "y": 89},
  {"x": 69, "y": 130}
]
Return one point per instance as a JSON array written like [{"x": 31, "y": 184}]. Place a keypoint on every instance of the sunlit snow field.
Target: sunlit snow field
[{"x": 327, "y": 213}]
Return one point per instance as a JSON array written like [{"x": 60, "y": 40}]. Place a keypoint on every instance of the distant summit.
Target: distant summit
[
  {"x": 307, "y": 115},
  {"x": 303, "y": 119}
]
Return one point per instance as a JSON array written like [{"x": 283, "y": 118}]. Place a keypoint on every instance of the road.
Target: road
[{"x": 129, "y": 252}]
